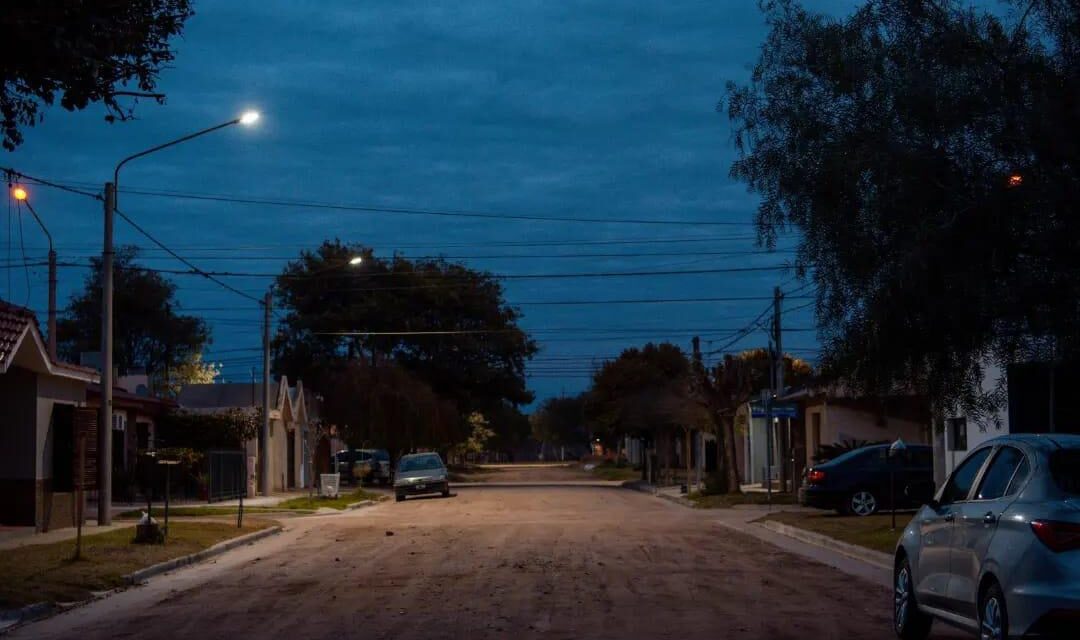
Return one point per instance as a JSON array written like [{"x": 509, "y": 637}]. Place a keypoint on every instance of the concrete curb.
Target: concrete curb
[
  {"x": 360, "y": 505},
  {"x": 634, "y": 485},
  {"x": 594, "y": 484},
  {"x": 142, "y": 575},
  {"x": 869, "y": 556}
]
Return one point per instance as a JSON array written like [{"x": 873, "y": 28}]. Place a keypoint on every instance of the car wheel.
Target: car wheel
[
  {"x": 446, "y": 492},
  {"x": 400, "y": 497},
  {"x": 908, "y": 622},
  {"x": 862, "y": 503},
  {"x": 993, "y": 619}
]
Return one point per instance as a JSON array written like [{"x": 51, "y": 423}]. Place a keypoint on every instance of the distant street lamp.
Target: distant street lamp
[
  {"x": 105, "y": 427},
  {"x": 356, "y": 260},
  {"x": 22, "y": 196}
]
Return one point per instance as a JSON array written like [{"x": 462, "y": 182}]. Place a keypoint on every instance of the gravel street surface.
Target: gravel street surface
[{"x": 527, "y": 562}]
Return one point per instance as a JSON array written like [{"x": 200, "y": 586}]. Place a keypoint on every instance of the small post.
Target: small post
[
  {"x": 165, "y": 533},
  {"x": 80, "y": 498},
  {"x": 243, "y": 490},
  {"x": 894, "y": 448}
]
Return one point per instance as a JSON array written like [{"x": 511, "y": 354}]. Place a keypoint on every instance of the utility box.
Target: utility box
[{"x": 329, "y": 484}]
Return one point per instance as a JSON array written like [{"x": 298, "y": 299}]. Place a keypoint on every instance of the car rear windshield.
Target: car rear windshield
[
  {"x": 1065, "y": 467},
  {"x": 850, "y": 455},
  {"x": 420, "y": 462}
]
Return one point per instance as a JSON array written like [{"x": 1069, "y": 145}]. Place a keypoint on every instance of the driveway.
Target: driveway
[{"x": 527, "y": 562}]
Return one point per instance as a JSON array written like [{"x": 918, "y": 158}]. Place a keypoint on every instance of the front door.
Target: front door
[
  {"x": 976, "y": 523},
  {"x": 290, "y": 458},
  {"x": 937, "y": 529}
]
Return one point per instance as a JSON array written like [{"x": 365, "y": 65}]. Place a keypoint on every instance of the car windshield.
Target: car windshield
[
  {"x": 1065, "y": 468},
  {"x": 382, "y": 455},
  {"x": 420, "y": 463}
]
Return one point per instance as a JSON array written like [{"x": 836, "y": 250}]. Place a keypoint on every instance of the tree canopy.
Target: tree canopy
[
  {"x": 560, "y": 421},
  {"x": 149, "y": 332},
  {"x": 80, "y": 53},
  {"x": 926, "y": 154},
  {"x": 644, "y": 388},
  {"x": 434, "y": 326}
]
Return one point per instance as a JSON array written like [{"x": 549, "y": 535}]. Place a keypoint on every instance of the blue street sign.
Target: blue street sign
[{"x": 779, "y": 410}]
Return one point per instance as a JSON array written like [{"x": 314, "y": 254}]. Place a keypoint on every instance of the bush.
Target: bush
[{"x": 715, "y": 484}]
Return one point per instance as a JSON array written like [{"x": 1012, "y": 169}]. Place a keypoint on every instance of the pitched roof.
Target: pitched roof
[
  {"x": 224, "y": 395},
  {"x": 19, "y": 323}
]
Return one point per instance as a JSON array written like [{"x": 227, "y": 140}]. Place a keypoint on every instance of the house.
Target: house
[
  {"x": 289, "y": 425},
  {"x": 134, "y": 418},
  {"x": 835, "y": 416},
  {"x": 1026, "y": 397},
  {"x": 39, "y": 397}
]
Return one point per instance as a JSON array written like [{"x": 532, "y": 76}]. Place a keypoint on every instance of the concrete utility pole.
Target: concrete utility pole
[
  {"x": 778, "y": 337},
  {"x": 105, "y": 429},
  {"x": 104, "y": 451},
  {"x": 264, "y": 434}
]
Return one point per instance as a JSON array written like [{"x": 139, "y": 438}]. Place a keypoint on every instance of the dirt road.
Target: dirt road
[{"x": 543, "y": 562}]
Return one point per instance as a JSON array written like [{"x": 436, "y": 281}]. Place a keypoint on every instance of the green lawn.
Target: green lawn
[
  {"x": 728, "y": 500},
  {"x": 339, "y": 502},
  {"x": 608, "y": 472},
  {"x": 206, "y": 510},
  {"x": 873, "y": 532},
  {"x": 46, "y": 572}
]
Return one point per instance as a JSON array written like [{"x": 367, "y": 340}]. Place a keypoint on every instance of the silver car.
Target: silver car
[
  {"x": 997, "y": 551},
  {"x": 420, "y": 473}
]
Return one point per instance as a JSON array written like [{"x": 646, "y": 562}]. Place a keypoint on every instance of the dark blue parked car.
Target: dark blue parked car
[{"x": 858, "y": 482}]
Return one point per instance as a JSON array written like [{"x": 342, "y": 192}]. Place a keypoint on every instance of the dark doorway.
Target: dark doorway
[{"x": 291, "y": 459}]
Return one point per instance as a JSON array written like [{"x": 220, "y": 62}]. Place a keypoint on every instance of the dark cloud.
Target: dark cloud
[{"x": 587, "y": 108}]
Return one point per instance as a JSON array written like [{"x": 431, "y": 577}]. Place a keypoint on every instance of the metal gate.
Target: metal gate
[{"x": 227, "y": 475}]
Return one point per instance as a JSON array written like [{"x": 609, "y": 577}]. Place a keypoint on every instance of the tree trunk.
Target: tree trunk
[
  {"x": 731, "y": 461},
  {"x": 689, "y": 455}
]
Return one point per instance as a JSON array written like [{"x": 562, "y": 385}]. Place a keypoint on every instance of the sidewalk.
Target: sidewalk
[
  {"x": 257, "y": 501},
  {"x": 741, "y": 518},
  {"x": 15, "y": 537}
]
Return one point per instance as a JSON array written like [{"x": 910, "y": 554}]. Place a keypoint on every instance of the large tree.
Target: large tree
[
  {"x": 560, "y": 421},
  {"x": 925, "y": 153},
  {"x": 645, "y": 392},
  {"x": 80, "y": 53},
  {"x": 149, "y": 332},
  {"x": 441, "y": 323}
]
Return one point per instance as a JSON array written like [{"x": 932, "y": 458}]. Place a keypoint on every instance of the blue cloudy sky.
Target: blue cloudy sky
[{"x": 580, "y": 108}]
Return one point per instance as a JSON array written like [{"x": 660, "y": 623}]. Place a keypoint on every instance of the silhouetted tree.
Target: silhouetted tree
[{"x": 80, "y": 53}]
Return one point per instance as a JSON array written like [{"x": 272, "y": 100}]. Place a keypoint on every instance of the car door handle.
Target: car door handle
[
  {"x": 989, "y": 518},
  {"x": 949, "y": 517}
]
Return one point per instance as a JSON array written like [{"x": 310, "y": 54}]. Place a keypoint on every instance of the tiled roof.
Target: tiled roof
[{"x": 13, "y": 322}]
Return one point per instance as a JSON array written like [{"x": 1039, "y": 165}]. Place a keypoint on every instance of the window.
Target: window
[
  {"x": 63, "y": 447},
  {"x": 960, "y": 482},
  {"x": 1019, "y": 478},
  {"x": 1000, "y": 472},
  {"x": 1065, "y": 468},
  {"x": 957, "y": 434}
]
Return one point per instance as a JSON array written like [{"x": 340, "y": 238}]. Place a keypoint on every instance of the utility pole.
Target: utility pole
[
  {"x": 778, "y": 338},
  {"x": 104, "y": 450},
  {"x": 264, "y": 435},
  {"x": 778, "y": 375},
  {"x": 52, "y": 302}
]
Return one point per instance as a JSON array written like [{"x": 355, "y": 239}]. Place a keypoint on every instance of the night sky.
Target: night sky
[{"x": 575, "y": 109}]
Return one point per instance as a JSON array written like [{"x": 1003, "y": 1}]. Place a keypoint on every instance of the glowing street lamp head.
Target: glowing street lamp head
[
  {"x": 1015, "y": 180},
  {"x": 19, "y": 194},
  {"x": 249, "y": 118},
  {"x": 357, "y": 260}
]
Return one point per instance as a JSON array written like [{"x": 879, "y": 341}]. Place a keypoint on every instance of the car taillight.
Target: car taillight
[
  {"x": 816, "y": 476},
  {"x": 1059, "y": 536}
]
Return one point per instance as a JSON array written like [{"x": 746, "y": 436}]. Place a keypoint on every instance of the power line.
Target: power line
[
  {"x": 370, "y": 208},
  {"x": 184, "y": 260}
]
